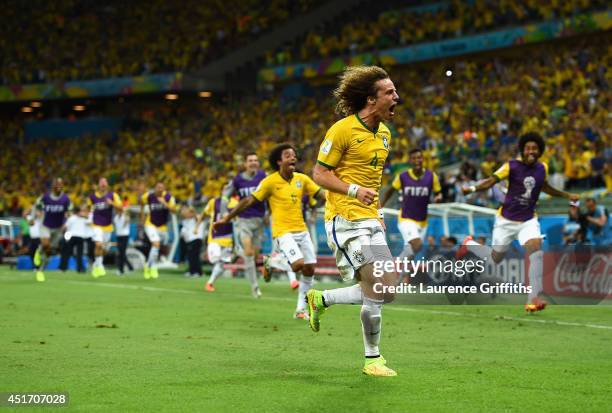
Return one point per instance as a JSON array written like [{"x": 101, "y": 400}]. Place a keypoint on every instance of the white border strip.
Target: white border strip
[{"x": 389, "y": 307}]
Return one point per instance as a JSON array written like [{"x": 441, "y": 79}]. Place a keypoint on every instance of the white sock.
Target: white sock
[
  {"x": 250, "y": 271},
  {"x": 371, "y": 322},
  {"x": 291, "y": 276},
  {"x": 346, "y": 295},
  {"x": 407, "y": 252},
  {"x": 305, "y": 285},
  {"x": 279, "y": 262},
  {"x": 535, "y": 274},
  {"x": 152, "y": 262},
  {"x": 481, "y": 251},
  {"x": 99, "y": 261},
  {"x": 216, "y": 271}
]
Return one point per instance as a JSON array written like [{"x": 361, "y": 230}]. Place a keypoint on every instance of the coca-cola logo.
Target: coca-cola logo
[{"x": 577, "y": 275}]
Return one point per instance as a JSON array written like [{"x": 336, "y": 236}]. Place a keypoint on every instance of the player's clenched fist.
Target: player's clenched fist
[{"x": 366, "y": 195}]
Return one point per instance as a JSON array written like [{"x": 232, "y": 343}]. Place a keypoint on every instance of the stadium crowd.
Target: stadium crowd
[
  {"x": 472, "y": 117},
  {"x": 400, "y": 26},
  {"x": 75, "y": 39}
]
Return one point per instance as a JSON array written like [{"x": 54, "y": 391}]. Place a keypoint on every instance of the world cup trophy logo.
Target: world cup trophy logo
[{"x": 529, "y": 183}]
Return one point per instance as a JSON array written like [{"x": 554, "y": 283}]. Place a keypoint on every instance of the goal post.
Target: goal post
[{"x": 450, "y": 210}]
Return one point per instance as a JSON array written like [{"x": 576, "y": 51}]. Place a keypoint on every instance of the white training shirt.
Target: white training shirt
[
  {"x": 77, "y": 226},
  {"x": 122, "y": 224},
  {"x": 187, "y": 230},
  {"x": 35, "y": 229}
]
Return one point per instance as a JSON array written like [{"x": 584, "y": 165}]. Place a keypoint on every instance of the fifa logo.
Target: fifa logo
[
  {"x": 529, "y": 183},
  {"x": 99, "y": 206},
  {"x": 54, "y": 208},
  {"x": 245, "y": 192}
]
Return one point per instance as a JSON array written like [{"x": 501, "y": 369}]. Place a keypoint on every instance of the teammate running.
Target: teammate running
[
  {"x": 284, "y": 190},
  {"x": 161, "y": 203},
  {"x": 516, "y": 219},
  {"x": 416, "y": 185},
  {"x": 54, "y": 206}
]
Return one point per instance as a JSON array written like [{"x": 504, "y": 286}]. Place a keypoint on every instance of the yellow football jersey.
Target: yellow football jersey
[
  {"x": 357, "y": 155},
  {"x": 285, "y": 199}
]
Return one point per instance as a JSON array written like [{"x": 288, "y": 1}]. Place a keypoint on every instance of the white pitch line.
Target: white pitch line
[
  {"x": 499, "y": 317},
  {"x": 389, "y": 307},
  {"x": 132, "y": 287},
  {"x": 413, "y": 310}
]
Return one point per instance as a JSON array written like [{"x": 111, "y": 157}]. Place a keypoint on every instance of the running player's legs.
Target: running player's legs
[
  {"x": 248, "y": 230},
  {"x": 530, "y": 238},
  {"x": 155, "y": 238},
  {"x": 246, "y": 244},
  {"x": 504, "y": 232},
  {"x": 45, "y": 239},
  {"x": 304, "y": 242},
  {"x": 308, "y": 261},
  {"x": 215, "y": 257},
  {"x": 48, "y": 238},
  {"x": 358, "y": 245},
  {"x": 101, "y": 239}
]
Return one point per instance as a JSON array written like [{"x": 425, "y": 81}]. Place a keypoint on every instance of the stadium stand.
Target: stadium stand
[
  {"x": 473, "y": 116},
  {"x": 397, "y": 25},
  {"x": 69, "y": 39}
]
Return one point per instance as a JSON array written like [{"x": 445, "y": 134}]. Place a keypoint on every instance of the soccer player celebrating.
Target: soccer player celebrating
[
  {"x": 249, "y": 226},
  {"x": 350, "y": 166},
  {"x": 102, "y": 203},
  {"x": 160, "y": 204},
  {"x": 284, "y": 190},
  {"x": 54, "y": 206},
  {"x": 415, "y": 186},
  {"x": 516, "y": 219}
]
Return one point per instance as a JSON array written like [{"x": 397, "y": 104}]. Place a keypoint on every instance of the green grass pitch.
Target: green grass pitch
[{"x": 126, "y": 344}]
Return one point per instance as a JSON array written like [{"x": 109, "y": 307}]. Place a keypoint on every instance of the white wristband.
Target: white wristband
[
  {"x": 472, "y": 188},
  {"x": 352, "y": 190},
  {"x": 381, "y": 214}
]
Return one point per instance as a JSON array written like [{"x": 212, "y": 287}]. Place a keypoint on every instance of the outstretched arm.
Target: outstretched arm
[
  {"x": 227, "y": 192},
  {"x": 242, "y": 205},
  {"x": 481, "y": 186},
  {"x": 547, "y": 189}
]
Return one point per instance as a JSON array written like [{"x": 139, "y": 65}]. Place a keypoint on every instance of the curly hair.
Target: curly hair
[
  {"x": 277, "y": 153},
  {"x": 531, "y": 137},
  {"x": 356, "y": 84}
]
